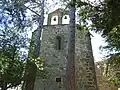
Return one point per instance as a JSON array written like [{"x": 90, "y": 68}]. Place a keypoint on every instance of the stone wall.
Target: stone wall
[
  {"x": 85, "y": 70},
  {"x": 56, "y": 59}
]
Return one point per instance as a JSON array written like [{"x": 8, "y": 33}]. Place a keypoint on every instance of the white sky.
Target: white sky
[{"x": 97, "y": 41}]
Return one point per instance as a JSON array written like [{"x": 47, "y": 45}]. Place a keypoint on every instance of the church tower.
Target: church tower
[{"x": 54, "y": 52}]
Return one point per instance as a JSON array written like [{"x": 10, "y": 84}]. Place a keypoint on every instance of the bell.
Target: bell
[
  {"x": 54, "y": 19},
  {"x": 65, "y": 17}
]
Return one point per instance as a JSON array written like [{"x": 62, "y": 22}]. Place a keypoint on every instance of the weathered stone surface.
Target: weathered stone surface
[{"x": 56, "y": 59}]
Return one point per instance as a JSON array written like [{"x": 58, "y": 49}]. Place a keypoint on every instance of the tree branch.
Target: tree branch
[{"x": 32, "y": 10}]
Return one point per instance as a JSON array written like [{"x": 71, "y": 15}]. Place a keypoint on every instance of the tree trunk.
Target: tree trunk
[
  {"x": 30, "y": 76},
  {"x": 31, "y": 66},
  {"x": 4, "y": 86},
  {"x": 71, "y": 49}
]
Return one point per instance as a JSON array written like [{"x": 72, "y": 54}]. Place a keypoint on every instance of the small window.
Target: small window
[
  {"x": 58, "y": 43},
  {"x": 58, "y": 79}
]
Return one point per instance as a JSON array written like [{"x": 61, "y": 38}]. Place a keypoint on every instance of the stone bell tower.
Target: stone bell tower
[{"x": 54, "y": 52}]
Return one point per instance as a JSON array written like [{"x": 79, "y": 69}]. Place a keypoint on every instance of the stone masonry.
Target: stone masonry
[{"x": 54, "y": 52}]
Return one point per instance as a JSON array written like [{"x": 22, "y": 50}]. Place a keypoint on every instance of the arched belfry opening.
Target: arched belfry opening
[
  {"x": 59, "y": 16},
  {"x": 65, "y": 19},
  {"x": 54, "y": 20}
]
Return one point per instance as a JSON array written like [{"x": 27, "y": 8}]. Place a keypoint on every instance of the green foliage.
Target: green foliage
[
  {"x": 13, "y": 38},
  {"x": 16, "y": 18},
  {"x": 15, "y": 23},
  {"x": 112, "y": 70},
  {"x": 104, "y": 15},
  {"x": 113, "y": 39},
  {"x": 11, "y": 66},
  {"x": 41, "y": 67},
  {"x": 11, "y": 71}
]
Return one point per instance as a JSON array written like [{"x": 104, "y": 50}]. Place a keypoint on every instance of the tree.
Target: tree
[
  {"x": 16, "y": 12},
  {"x": 13, "y": 38},
  {"x": 13, "y": 23},
  {"x": 71, "y": 49},
  {"x": 106, "y": 16},
  {"x": 31, "y": 66},
  {"x": 11, "y": 59}
]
